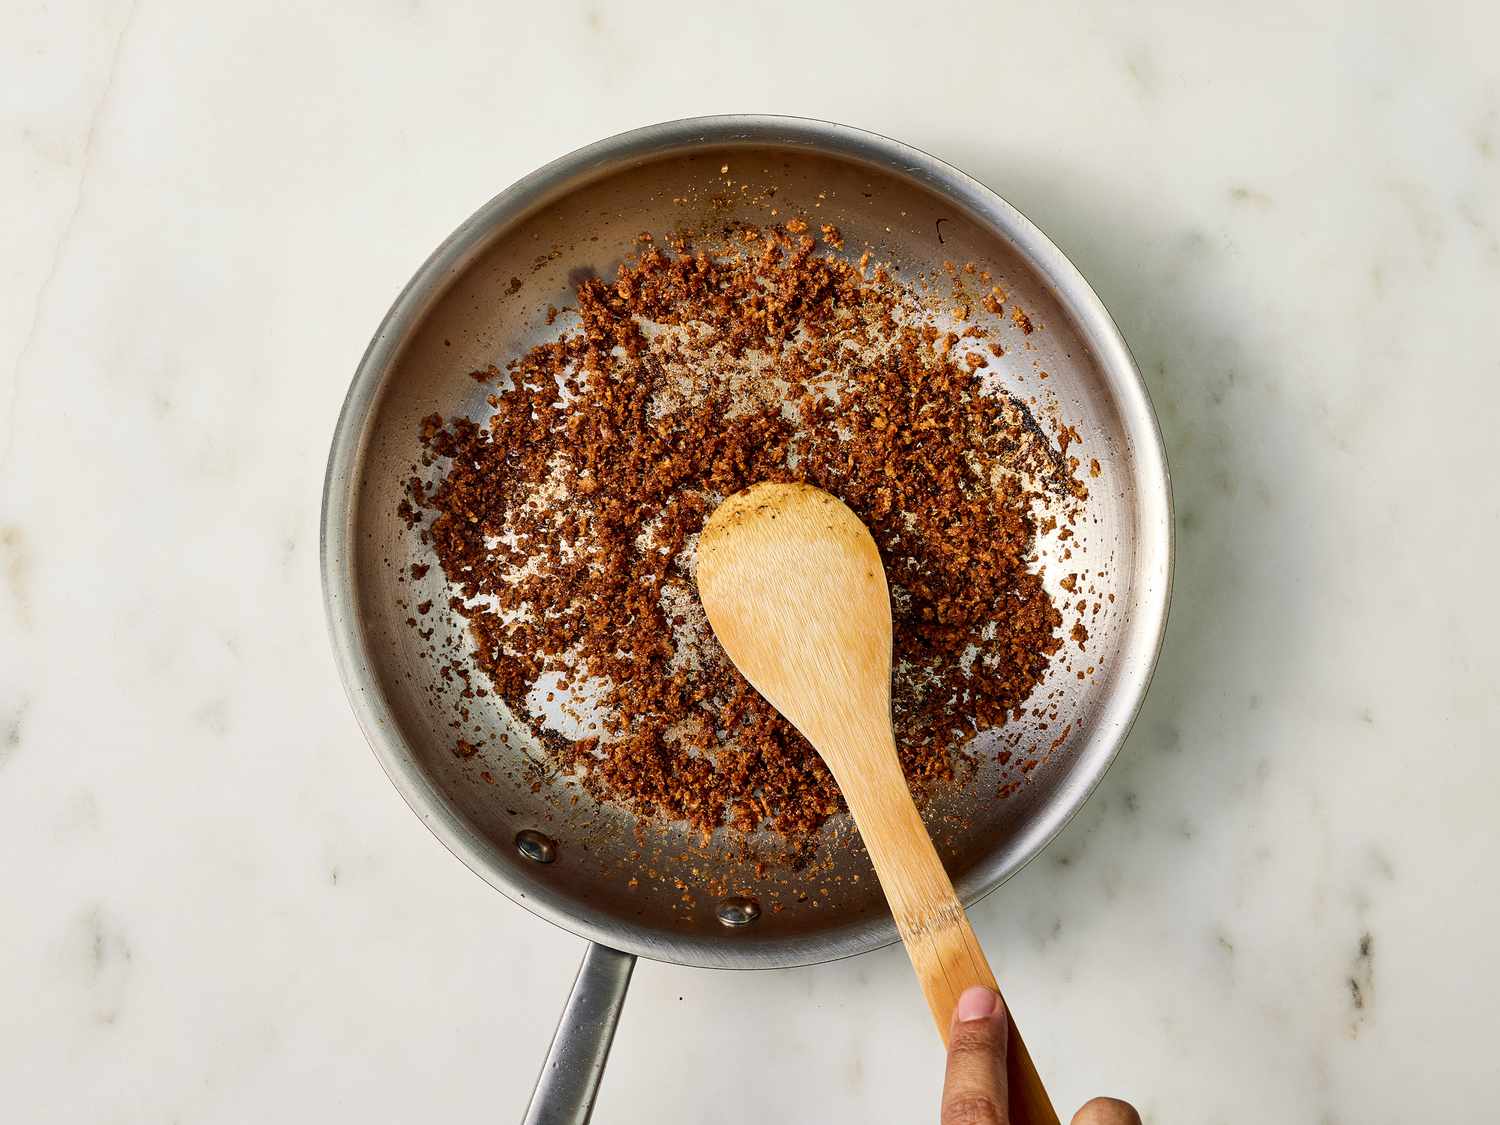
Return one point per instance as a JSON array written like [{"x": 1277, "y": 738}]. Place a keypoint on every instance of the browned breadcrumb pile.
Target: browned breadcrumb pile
[{"x": 568, "y": 520}]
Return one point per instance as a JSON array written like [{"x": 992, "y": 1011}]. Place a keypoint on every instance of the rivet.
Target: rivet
[
  {"x": 535, "y": 847},
  {"x": 738, "y": 910}
]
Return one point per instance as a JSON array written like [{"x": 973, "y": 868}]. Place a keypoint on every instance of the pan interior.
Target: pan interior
[{"x": 657, "y": 890}]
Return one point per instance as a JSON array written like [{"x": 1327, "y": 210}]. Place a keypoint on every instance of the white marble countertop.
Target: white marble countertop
[{"x": 1280, "y": 906}]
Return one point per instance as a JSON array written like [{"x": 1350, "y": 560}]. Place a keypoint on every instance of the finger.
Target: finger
[
  {"x": 974, "y": 1090},
  {"x": 1107, "y": 1111}
]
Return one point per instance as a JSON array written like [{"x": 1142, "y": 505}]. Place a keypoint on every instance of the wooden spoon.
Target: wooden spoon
[{"x": 795, "y": 590}]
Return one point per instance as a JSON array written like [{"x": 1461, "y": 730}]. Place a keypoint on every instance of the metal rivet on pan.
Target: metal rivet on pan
[
  {"x": 738, "y": 910},
  {"x": 534, "y": 846}
]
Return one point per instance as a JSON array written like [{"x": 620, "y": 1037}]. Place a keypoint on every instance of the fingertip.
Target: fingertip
[
  {"x": 974, "y": 1083},
  {"x": 1106, "y": 1111},
  {"x": 976, "y": 1003}
]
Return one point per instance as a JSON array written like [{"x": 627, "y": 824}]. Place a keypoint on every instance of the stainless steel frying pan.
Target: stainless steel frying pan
[{"x": 480, "y": 299}]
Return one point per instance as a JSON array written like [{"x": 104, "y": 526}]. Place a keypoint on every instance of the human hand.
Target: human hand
[{"x": 974, "y": 1088}]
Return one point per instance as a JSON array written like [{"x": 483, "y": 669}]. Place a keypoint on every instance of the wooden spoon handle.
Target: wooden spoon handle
[{"x": 936, "y": 931}]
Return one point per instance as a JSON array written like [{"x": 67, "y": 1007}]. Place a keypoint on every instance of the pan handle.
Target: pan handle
[{"x": 569, "y": 1081}]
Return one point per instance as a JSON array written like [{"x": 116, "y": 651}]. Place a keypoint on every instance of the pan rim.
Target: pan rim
[{"x": 341, "y": 481}]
